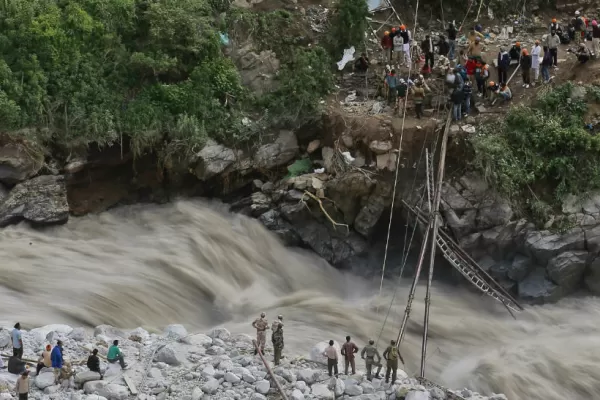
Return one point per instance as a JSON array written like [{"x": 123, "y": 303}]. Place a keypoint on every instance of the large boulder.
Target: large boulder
[
  {"x": 111, "y": 391},
  {"x": 257, "y": 70},
  {"x": 86, "y": 376},
  {"x": 520, "y": 267},
  {"x": 463, "y": 225},
  {"x": 213, "y": 160},
  {"x": 538, "y": 289},
  {"x": 273, "y": 221},
  {"x": 592, "y": 239},
  {"x": 369, "y": 214},
  {"x": 592, "y": 279},
  {"x": 278, "y": 153},
  {"x": 347, "y": 191},
  {"x": 566, "y": 269},
  {"x": 381, "y": 146},
  {"x": 497, "y": 213},
  {"x": 41, "y": 200},
  {"x": 43, "y": 380},
  {"x": 19, "y": 162},
  {"x": 544, "y": 245},
  {"x": 452, "y": 199}
]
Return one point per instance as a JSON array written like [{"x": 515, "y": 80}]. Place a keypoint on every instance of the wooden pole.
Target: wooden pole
[
  {"x": 269, "y": 370},
  {"x": 436, "y": 225}
]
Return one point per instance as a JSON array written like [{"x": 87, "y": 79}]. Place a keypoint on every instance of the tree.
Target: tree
[{"x": 348, "y": 26}]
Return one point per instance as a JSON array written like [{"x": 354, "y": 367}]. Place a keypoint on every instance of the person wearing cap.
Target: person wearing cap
[
  {"x": 277, "y": 338},
  {"x": 386, "y": 43},
  {"x": 406, "y": 38},
  {"x": 22, "y": 387},
  {"x": 372, "y": 358},
  {"x": 44, "y": 361},
  {"x": 482, "y": 74},
  {"x": 554, "y": 26},
  {"x": 515, "y": 52},
  {"x": 525, "y": 63},
  {"x": 536, "y": 52},
  {"x": 580, "y": 27},
  {"x": 261, "y": 325},
  {"x": 56, "y": 358},
  {"x": 595, "y": 37}
]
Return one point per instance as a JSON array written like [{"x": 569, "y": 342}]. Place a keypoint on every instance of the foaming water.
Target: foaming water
[{"x": 190, "y": 262}]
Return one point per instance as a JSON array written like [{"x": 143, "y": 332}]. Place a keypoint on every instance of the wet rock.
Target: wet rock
[
  {"x": 213, "y": 160},
  {"x": 566, "y": 269},
  {"x": 592, "y": 279},
  {"x": 545, "y": 245},
  {"x": 370, "y": 213},
  {"x": 273, "y": 221},
  {"x": 313, "y": 146},
  {"x": 278, "y": 153},
  {"x": 261, "y": 203},
  {"x": 499, "y": 213},
  {"x": 571, "y": 204},
  {"x": 538, "y": 289},
  {"x": 347, "y": 192},
  {"x": 520, "y": 267},
  {"x": 592, "y": 239},
  {"x": 452, "y": 198},
  {"x": 41, "y": 200},
  {"x": 19, "y": 162},
  {"x": 463, "y": 225}
]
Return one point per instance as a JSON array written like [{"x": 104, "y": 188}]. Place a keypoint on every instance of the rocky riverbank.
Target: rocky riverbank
[{"x": 177, "y": 365}]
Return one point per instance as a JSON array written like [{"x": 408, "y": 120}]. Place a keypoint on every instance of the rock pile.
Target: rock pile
[{"x": 175, "y": 365}]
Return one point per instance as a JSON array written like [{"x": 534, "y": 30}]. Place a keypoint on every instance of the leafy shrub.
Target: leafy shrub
[
  {"x": 348, "y": 25},
  {"x": 544, "y": 147}
]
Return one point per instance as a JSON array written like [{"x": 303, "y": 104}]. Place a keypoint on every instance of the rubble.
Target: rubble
[{"x": 182, "y": 366}]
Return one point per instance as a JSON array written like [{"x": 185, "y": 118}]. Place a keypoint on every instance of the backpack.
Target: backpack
[{"x": 393, "y": 353}]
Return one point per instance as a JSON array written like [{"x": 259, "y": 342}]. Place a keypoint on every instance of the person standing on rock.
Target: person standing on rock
[
  {"x": 332, "y": 359},
  {"x": 391, "y": 355},
  {"x": 261, "y": 325},
  {"x": 349, "y": 349},
  {"x": 115, "y": 354},
  {"x": 56, "y": 357},
  {"x": 369, "y": 353},
  {"x": 22, "y": 387},
  {"x": 536, "y": 57},
  {"x": 277, "y": 338},
  {"x": 93, "y": 362},
  {"x": 44, "y": 360},
  {"x": 17, "y": 341}
]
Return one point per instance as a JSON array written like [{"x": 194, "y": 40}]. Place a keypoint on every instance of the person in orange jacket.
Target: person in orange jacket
[{"x": 387, "y": 44}]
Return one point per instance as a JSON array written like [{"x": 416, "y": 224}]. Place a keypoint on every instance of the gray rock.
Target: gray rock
[
  {"x": 320, "y": 391},
  {"x": 538, "y": 289},
  {"x": 86, "y": 376},
  {"x": 347, "y": 191},
  {"x": 211, "y": 386},
  {"x": 283, "y": 150},
  {"x": 452, "y": 198},
  {"x": 369, "y": 214},
  {"x": 77, "y": 334},
  {"x": 111, "y": 391},
  {"x": 417, "y": 395},
  {"x": 297, "y": 395},
  {"x": 19, "y": 162},
  {"x": 328, "y": 158},
  {"x": 498, "y": 213},
  {"x": 461, "y": 226},
  {"x": 273, "y": 221},
  {"x": 520, "y": 267},
  {"x": 232, "y": 378},
  {"x": 566, "y": 270},
  {"x": 213, "y": 160},
  {"x": 592, "y": 279},
  {"x": 220, "y": 333},
  {"x": 262, "y": 387},
  {"x": 257, "y": 70},
  {"x": 545, "y": 245},
  {"x": 170, "y": 355},
  {"x": 592, "y": 239},
  {"x": 261, "y": 203},
  {"x": 571, "y": 205},
  {"x": 353, "y": 390},
  {"x": 41, "y": 200},
  {"x": 5, "y": 338},
  {"x": 44, "y": 379},
  {"x": 380, "y": 146},
  {"x": 474, "y": 185},
  {"x": 267, "y": 187},
  {"x": 110, "y": 331}
]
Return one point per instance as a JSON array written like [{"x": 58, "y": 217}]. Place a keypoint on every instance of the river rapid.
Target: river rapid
[{"x": 191, "y": 262}]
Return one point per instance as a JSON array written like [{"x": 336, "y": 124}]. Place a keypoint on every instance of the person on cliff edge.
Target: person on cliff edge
[
  {"x": 372, "y": 358},
  {"x": 277, "y": 338},
  {"x": 391, "y": 355},
  {"x": 349, "y": 349},
  {"x": 261, "y": 325}
]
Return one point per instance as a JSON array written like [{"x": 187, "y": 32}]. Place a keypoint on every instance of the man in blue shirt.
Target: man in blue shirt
[
  {"x": 56, "y": 358},
  {"x": 17, "y": 341}
]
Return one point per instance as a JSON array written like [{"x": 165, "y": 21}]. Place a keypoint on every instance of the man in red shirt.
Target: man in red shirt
[{"x": 349, "y": 349}]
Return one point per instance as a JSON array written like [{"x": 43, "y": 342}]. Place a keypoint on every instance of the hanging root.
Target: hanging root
[{"x": 315, "y": 198}]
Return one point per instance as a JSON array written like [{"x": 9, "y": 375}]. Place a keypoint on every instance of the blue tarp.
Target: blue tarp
[
  {"x": 224, "y": 39},
  {"x": 375, "y": 4}
]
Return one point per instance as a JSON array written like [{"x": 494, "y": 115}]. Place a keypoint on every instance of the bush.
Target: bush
[
  {"x": 348, "y": 26},
  {"x": 543, "y": 148},
  {"x": 96, "y": 70}
]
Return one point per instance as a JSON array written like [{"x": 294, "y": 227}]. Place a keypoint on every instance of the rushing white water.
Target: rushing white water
[{"x": 189, "y": 262}]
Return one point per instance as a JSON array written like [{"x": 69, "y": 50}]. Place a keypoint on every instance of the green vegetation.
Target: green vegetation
[
  {"x": 75, "y": 72},
  {"x": 299, "y": 167},
  {"x": 542, "y": 152},
  {"x": 349, "y": 25}
]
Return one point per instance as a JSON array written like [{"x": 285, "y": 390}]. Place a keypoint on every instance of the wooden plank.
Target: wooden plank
[{"x": 130, "y": 384}]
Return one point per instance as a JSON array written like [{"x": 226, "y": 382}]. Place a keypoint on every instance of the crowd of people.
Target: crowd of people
[
  {"x": 467, "y": 72},
  {"x": 51, "y": 358}
]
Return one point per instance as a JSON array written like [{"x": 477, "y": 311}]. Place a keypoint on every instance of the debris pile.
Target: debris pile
[{"x": 182, "y": 366}]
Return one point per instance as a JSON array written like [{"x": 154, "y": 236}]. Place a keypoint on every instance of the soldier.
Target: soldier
[
  {"x": 391, "y": 355},
  {"x": 261, "y": 325},
  {"x": 277, "y": 338},
  {"x": 371, "y": 353}
]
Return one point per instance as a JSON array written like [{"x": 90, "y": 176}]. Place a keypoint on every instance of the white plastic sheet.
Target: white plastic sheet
[{"x": 348, "y": 56}]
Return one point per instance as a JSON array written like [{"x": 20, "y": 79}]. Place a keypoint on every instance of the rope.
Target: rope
[{"x": 387, "y": 241}]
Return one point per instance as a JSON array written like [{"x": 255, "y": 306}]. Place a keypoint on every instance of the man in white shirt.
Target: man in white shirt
[
  {"x": 536, "y": 51},
  {"x": 332, "y": 359}
]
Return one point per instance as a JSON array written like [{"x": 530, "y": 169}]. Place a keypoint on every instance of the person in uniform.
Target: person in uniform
[
  {"x": 391, "y": 355},
  {"x": 261, "y": 325},
  {"x": 277, "y": 338},
  {"x": 369, "y": 353}
]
